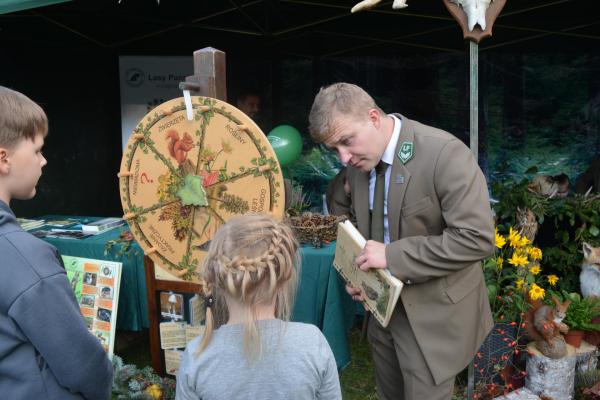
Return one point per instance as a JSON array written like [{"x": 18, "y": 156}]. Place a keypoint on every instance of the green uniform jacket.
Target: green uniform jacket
[{"x": 441, "y": 227}]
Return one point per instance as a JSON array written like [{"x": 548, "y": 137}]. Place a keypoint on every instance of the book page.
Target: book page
[{"x": 379, "y": 288}]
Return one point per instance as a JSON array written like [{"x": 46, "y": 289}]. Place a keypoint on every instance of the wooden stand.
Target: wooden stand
[
  {"x": 208, "y": 80},
  {"x": 549, "y": 377},
  {"x": 154, "y": 287}
]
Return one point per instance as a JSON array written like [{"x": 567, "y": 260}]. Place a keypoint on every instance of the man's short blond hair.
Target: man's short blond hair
[
  {"x": 335, "y": 100},
  {"x": 20, "y": 118}
]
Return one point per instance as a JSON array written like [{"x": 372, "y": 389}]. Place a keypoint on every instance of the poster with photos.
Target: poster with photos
[{"x": 96, "y": 286}]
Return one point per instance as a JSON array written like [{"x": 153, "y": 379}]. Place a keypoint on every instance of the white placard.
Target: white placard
[{"x": 146, "y": 82}]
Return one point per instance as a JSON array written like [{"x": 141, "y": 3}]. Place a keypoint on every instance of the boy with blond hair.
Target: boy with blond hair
[{"x": 46, "y": 351}]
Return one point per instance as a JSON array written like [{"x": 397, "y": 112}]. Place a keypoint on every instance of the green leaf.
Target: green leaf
[
  {"x": 192, "y": 192},
  {"x": 594, "y": 231}
]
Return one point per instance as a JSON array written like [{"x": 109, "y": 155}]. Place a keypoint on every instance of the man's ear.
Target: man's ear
[
  {"x": 375, "y": 117},
  {"x": 4, "y": 161}
]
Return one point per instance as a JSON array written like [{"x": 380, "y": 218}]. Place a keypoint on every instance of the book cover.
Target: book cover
[
  {"x": 29, "y": 224},
  {"x": 102, "y": 224},
  {"x": 61, "y": 234},
  {"x": 96, "y": 286},
  {"x": 379, "y": 287},
  {"x": 64, "y": 223}
]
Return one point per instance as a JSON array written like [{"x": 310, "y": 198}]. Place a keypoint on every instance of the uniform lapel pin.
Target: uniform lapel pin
[{"x": 406, "y": 152}]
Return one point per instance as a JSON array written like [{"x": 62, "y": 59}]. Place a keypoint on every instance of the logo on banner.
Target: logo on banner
[{"x": 134, "y": 77}]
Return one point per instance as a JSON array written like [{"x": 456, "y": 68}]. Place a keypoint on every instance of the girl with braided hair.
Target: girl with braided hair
[{"x": 249, "y": 350}]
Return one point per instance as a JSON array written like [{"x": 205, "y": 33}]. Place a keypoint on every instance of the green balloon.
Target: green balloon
[{"x": 287, "y": 144}]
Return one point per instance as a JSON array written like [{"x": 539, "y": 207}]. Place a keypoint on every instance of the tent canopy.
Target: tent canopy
[{"x": 322, "y": 28}]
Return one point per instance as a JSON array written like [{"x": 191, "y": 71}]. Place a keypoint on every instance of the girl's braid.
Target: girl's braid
[{"x": 236, "y": 272}]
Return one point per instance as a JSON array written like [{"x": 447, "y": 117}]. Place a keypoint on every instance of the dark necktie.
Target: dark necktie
[{"x": 377, "y": 226}]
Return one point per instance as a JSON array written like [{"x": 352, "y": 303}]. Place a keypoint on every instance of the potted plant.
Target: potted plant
[{"x": 579, "y": 317}]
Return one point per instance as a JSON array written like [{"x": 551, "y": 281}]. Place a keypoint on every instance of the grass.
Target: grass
[{"x": 358, "y": 379}]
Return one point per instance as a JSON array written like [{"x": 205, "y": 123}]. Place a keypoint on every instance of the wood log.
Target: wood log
[
  {"x": 587, "y": 357},
  {"x": 554, "y": 378},
  {"x": 519, "y": 394}
]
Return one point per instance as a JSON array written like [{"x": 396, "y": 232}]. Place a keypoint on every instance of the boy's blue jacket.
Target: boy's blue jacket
[{"x": 46, "y": 351}]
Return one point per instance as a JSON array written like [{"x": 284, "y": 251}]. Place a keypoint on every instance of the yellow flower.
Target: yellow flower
[
  {"x": 518, "y": 260},
  {"x": 535, "y": 269},
  {"x": 552, "y": 279},
  {"x": 535, "y": 253},
  {"x": 154, "y": 391},
  {"x": 499, "y": 262},
  {"x": 519, "y": 283},
  {"x": 524, "y": 241},
  {"x": 500, "y": 241},
  {"x": 536, "y": 292},
  {"x": 514, "y": 238}
]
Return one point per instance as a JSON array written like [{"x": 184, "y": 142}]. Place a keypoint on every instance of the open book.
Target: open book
[{"x": 379, "y": 287}]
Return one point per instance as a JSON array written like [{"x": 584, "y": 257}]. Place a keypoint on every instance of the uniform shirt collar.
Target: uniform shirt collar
[{"x": 388, "y": 154}]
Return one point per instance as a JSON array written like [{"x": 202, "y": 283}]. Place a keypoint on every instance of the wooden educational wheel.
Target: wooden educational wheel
[{"x": 180, "y": 180}]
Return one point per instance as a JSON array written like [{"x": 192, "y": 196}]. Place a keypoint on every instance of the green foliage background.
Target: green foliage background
[{"x": 536, "y": 109}]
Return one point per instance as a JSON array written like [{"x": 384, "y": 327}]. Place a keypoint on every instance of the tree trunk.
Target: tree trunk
[
  {"x": 587, "y": 357},
  {"x": 549, "y": 377}
]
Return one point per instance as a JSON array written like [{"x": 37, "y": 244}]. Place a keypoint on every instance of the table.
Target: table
[
  {"x": 132, "y": 312},
  {"x": 322, "y": 300}
]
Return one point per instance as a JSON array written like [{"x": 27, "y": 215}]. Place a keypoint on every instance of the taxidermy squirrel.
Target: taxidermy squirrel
[
  {"x": 589, "y": 277},
  {"x": 545, "y": 327}
]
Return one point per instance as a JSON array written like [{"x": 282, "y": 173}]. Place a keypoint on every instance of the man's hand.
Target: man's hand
[
  {"x": 372, "y": 256},
  {"x": 355, "y": 293}
]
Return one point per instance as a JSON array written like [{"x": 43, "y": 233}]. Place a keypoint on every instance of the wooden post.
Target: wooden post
[
  {"x": 158, "y": 359},
  {"x": 209, "y": 74},
  {"x": 209, "y": 80}
]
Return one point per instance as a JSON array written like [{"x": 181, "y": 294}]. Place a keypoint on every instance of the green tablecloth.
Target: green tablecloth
[
  {"x": 323, "y": 301},
  {"x": 132, "y": 312}
]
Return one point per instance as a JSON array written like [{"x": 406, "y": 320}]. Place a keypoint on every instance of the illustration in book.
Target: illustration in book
[{"x": 95, "y": 284}]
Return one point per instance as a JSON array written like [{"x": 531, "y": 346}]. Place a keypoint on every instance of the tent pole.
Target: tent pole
[
  {"x": 474, "y": 97},
  {"x": 474, "y": 144}
]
